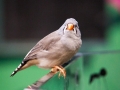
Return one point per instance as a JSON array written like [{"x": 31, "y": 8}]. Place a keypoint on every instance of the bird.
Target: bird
[{"x": 55, "y": 49}]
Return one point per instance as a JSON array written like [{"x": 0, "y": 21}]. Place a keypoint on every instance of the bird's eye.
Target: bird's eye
[
  {"x": 75, "y": 31},
  {"x": 76, "y": 26}
]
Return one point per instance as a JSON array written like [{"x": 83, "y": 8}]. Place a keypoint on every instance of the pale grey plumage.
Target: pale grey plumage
[{"x": 56, "y": 48}]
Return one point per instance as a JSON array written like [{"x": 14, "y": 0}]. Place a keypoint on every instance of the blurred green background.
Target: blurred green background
[{"x": 23, "y": 23}]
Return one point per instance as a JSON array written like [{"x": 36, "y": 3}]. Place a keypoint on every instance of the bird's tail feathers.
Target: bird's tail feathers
[{"x": 18, "y": 68}]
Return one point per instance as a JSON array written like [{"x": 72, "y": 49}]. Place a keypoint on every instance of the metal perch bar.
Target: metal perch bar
[{"x": 40, "y": 82}]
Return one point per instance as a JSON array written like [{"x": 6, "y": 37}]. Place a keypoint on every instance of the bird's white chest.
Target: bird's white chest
[{"x": 43, "y": 63}]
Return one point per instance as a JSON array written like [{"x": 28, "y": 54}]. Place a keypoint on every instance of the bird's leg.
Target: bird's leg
[{"x": 62, "y": 71}]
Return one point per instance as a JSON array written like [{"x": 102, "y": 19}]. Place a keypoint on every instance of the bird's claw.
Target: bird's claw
[{"x": 61, "y": 70}]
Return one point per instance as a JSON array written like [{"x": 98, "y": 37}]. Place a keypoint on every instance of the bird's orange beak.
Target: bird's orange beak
[{"x": 70, "y": 26}]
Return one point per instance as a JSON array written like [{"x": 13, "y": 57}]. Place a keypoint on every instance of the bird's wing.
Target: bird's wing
[{"x": 44, "y": 44}]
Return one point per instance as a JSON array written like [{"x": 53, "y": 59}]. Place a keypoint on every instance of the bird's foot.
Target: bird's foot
[{"x": 61, "y": 70}]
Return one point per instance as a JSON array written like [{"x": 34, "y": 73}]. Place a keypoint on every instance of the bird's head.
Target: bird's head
[{"x": 70, "y": 27}]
